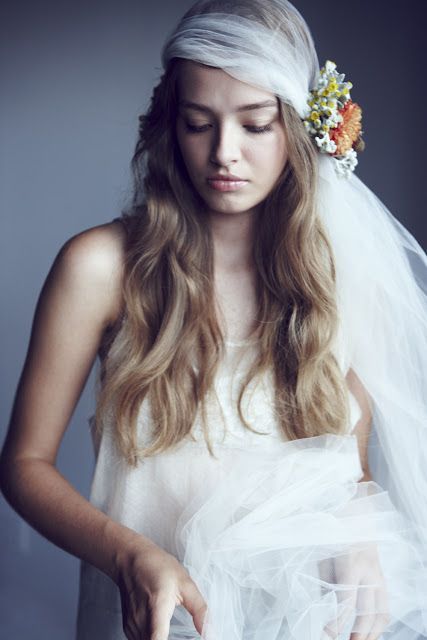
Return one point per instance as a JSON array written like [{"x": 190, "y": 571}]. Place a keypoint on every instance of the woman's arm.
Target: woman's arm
[
  {"x": 363, "y": 427},
  {"x": 79, "y": 300}
]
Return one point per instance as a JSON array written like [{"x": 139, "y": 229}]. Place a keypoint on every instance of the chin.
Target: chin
[
  {"x": 228, "y": 205},
  {"x": 229, "y": 209}
]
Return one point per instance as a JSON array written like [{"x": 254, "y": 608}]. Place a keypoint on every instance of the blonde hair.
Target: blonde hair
[{"x": 169, "y": 321}]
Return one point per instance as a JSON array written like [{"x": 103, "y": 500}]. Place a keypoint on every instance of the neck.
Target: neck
[{"x": 232, "y": 236}]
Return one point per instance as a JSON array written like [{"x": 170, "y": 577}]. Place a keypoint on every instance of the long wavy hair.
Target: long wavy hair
[{"x": 169, "y": 321}]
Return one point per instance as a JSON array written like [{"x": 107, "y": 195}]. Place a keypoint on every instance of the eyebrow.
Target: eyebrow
[{"x": 244, "y": 107}]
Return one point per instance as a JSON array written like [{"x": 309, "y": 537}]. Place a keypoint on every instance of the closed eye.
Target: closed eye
[
  {"x": 251, "y": 128},
  {"x": 254, "y": 129},
  {"x": 194, "y": 129}
]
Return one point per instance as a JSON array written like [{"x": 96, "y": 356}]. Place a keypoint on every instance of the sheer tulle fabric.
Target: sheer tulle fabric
[
  {"x": 250, "y": 52},
  {"x": 282, "y": 539},
  {"x": 382, "y": 285},
  {"x": 289, "y": 545}
]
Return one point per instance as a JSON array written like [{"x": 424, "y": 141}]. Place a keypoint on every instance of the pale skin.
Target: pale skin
[{"x": 81, "y": 300}]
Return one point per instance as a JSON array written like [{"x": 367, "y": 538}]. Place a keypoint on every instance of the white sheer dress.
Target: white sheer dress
[{"x": 282, "y": 539}]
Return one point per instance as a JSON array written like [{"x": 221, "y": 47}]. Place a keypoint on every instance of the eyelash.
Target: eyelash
[{"x": 251, "y": 128}]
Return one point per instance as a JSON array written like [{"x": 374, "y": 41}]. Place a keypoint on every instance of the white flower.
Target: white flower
[
  {"x": 345, "y": 164},
  {"x": 325, "y": 144}
]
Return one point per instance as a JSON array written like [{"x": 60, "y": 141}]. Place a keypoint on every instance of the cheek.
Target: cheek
[
  {"x": 271, "y": 154},
  {"x": 191, "y": 152}
]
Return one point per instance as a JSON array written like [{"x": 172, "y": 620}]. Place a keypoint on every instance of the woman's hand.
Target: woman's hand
[
  {"x": 152, "y": 582},
  {"x": 368, "y": 600}
]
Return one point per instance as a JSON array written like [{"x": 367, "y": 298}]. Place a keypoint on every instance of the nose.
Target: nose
[{"x": 225, "y": 145}]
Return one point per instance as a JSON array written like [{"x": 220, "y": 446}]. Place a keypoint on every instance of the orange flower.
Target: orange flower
[{"x": 348, "y": 131}]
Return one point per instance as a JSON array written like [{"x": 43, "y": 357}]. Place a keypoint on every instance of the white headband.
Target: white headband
[{"x": 250, "y": 52}]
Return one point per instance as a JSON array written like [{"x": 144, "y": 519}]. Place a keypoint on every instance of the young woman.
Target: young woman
[{"x": 256, "y": 313}]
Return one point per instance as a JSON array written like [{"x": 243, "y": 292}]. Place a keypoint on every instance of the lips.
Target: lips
[
  {"x": 227, "y": 182},
  {"x": 228, "y": 176}
]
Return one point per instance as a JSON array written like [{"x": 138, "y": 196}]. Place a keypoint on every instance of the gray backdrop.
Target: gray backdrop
[{"x": 74, "y": 77}]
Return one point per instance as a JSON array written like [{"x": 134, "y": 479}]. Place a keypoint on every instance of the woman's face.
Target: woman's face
[{"x": 227, "y": 128}]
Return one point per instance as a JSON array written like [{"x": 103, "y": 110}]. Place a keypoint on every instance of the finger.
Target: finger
[
  {"x": 382, "y": 617},
  {"x": 142, "y": 620},
  {"x": 333, "y": 572},
  {"x": 366, "y": 617},
  {"x": 129, "y": 621},
  {"x": 364, "y": 626},
  {"x": 162, "y": 607},
  {"x": 134, "y": 615},
  {"x": 382, "y": 602},
  {"x": 195, "y": 604},
  {"x": 381, "y": 623},
  {"x": 363, "y": 633},
  {"x": 347, "y": 598},
  {"x": 130, "y": 630}
]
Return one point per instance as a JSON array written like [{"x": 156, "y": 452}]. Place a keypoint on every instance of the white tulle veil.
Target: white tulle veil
[{"x": 381, "y": 269}]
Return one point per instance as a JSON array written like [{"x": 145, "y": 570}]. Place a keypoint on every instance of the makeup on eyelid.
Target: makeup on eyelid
[{"x": 252, "y": 128}]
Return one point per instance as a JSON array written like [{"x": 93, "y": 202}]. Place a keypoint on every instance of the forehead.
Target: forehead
[{"x": 217, "y": 89}]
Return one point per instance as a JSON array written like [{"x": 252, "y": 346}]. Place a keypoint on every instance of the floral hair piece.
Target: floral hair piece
[{"x": 334, "y": 119}]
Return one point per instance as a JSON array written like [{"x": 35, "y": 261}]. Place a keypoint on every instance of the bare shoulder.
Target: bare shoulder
[
  {"x": 93, "y": 260},
  {"x": 99, "y": 249},
  {"x": 78, "y": 300}
]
